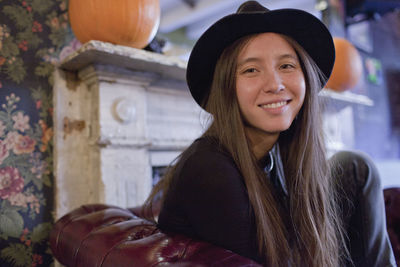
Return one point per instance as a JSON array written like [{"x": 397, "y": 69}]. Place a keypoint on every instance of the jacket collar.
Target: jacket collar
[{"x": 278, "y": 165}]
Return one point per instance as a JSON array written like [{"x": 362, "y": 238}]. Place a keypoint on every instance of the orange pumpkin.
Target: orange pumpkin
[
  {"x": 348, "y": 68},
  {"x": 125, "y": 22}
]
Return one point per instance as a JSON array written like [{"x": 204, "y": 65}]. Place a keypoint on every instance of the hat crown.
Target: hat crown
[{"x": 251, "y": 7}]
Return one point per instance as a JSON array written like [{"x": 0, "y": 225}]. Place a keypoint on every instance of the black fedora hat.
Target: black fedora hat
[{"x": 252, "y": 18}]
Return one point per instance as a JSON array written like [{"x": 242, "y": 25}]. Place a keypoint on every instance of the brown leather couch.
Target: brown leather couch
[{"x": 109, "y": 236}]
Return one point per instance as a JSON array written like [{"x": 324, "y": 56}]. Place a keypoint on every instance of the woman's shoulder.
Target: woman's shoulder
[
  {"x": 208, "y": 150},
  {"x": 209, "y": 166},
  {"x": 206, "y": 157}
]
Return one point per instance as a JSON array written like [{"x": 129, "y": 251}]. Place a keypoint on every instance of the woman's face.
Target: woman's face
[{"x": 270, "y": 84}]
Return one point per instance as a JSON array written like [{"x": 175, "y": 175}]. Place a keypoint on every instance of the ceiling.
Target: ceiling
[
  {"x": 357, "y": 10},
  {"x": 195, "y": 16}
]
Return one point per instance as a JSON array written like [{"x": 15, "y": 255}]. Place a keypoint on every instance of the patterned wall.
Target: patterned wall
[{"x": 34, "y": 35}]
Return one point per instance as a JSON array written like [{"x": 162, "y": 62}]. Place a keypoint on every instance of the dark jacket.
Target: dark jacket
[{"x": 208, "y": 200}]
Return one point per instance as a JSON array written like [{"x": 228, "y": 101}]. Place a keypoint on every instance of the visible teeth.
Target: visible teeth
[{"x": 274, "y": 105}]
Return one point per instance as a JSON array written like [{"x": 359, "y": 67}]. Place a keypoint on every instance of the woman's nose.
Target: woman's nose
[{"x": 272, "y": 82}]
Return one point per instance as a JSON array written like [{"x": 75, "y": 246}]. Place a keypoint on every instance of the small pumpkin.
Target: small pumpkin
[
  {"x": 125, "y": 22},
  {"x": 348, "y": 67}
]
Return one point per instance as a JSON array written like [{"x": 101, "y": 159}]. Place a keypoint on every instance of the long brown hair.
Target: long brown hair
[{"x": 312, "y": 236}]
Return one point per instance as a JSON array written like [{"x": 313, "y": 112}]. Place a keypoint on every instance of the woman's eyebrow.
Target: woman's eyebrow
[
  {"x": 286, "y": 56},
  {"x": 249, "y": 59},
  {"x": 257, "y": 59}
]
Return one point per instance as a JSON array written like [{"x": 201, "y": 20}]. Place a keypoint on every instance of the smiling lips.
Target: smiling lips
[{"x": 274, "y": 105}]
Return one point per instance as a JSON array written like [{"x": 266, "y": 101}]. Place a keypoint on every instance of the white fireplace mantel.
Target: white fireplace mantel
[{"x": 118, "y": 112}]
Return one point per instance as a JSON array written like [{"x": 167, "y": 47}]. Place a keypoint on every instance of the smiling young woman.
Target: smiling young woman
[
  {"x": 257, "y": 182},
  {"x": 270, "y": 87}
]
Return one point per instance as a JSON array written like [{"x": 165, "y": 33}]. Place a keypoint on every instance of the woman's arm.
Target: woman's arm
[{"x": 363, "y": 209}]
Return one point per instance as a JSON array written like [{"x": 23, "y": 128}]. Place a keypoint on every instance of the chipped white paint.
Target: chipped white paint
[
  {"x": 138, "y": 113},
  {"x": 127, "y": 57}
]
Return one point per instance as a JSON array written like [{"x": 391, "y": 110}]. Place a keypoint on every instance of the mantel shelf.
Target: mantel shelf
[
  {"x": 97, "y": 52},
  {"x": 347, "y": 97}
]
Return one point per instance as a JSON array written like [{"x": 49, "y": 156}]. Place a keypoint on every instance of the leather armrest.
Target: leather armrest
[{"x": 103, "y": 235}]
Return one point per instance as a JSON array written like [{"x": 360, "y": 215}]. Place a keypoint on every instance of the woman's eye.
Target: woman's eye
[
  {"x": 287, "y": 66},
  {"x": 250, "y": 70}
]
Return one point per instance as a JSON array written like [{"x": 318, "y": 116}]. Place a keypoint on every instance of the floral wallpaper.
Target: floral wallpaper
[{"x": 34, "y": 36}]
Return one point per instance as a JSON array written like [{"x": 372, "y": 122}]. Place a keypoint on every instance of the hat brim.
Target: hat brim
[{"x": 303, "y": 27}]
